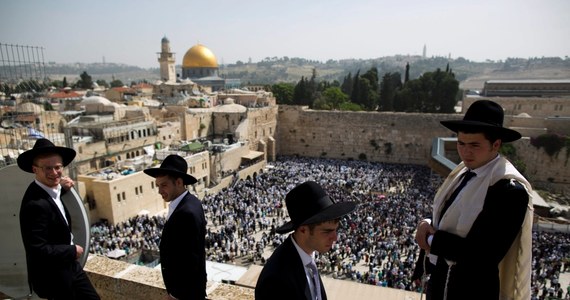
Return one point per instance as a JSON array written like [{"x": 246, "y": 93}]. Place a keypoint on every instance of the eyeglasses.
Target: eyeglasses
[{"x": 46, "y": 169}]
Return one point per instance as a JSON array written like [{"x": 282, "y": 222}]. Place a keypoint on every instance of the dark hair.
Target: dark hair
[
  {"x": 313, "y": 225},
  {"x": 170, "y": 176},
  {"x": 490, "y": 135}
]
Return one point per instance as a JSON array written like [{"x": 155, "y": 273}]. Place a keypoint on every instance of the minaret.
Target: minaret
[
  {"x": 166, "y": 60},
  {"x": 424, "y": 52}
]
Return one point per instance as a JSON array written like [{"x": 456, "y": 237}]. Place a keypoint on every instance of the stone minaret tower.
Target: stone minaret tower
[{"x": 166, "y": 60}]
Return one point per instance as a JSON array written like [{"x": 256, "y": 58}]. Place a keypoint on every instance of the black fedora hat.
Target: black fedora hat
[
  {"x": 173, "y": 165},
  {"x": 308, "y": 203},
  {"x": 484, "y": 115},
  {"x": 43, "y": 146}
]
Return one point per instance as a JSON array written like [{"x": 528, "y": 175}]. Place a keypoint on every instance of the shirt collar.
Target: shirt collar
[
  {"x": 174, "y": 203},
  {"x": 54, "y": 192},
  {"x": 486, "y": 168},
  {"x": 305, "y": 258}
]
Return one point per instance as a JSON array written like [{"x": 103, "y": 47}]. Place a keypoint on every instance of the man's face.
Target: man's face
[
  {"x": 323, "y": 236},
  {"x": 169, "y": 188},
  {"x": 48, "y": 170},
  {"x": 475, "y": 150}
]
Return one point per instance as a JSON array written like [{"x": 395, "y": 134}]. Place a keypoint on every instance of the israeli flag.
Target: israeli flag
[{"x": 32, "y": 133}]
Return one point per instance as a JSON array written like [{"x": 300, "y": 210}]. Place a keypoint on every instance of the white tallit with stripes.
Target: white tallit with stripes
[{"x": 515, "y": 268}]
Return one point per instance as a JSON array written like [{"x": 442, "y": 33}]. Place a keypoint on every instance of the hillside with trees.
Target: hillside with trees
[{"x": 368, "y": 83}]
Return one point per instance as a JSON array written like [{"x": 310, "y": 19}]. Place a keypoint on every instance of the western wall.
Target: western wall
[{"x": 398, "y": 138}]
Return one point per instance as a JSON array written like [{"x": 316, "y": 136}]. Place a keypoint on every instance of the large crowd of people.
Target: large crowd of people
[{"x": 375, "y": 243}]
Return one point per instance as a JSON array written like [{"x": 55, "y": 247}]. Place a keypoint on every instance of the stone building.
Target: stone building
[
  {"x": 121, "y": 191},
  {"x": 121, "y": 94},
  {"x": 526, "y": 88},
  {"x": 247, "y": 98},
  {"x": 166, "y": 59},
  {"x": 533, "y": 116},
  {"x": 108, "y": 133}
]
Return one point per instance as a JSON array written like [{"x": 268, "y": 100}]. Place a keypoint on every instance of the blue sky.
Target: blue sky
[{"x": 130, "y": 32}]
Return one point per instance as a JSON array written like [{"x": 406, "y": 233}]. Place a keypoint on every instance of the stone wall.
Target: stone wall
[
  {"x": 558, "y": 125},
  {"x": 542, "y": 170},
  {"x": 386, "y": 137},
  {"x": 262, "y": 123},
  {"x": 167, "y": 132},
  {"x": 395, "y": 138},
  {"x": 118, "y": 280}
]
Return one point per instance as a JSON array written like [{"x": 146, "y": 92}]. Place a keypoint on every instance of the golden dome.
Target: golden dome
[{"x": 199, "y": 56}]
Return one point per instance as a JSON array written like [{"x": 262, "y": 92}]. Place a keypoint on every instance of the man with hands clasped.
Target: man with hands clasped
[{"x": 478, "y": 243}]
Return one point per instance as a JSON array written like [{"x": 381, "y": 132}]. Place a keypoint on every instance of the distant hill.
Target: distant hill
[
  {"x": 471, "y": 75},
  {"x": 100, "y": 71}
]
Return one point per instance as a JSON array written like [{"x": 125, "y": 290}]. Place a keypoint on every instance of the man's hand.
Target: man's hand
[
  {"x": 79, "y": 251},
  {"x": 424, "y": 230},
  {"x": 66, "y": 183}
]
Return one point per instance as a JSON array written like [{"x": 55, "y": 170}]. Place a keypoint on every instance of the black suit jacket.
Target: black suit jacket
[
  {"x": 283, "y": 276},
  {"x": 476, "y": 274},
  {"x": 182, "y": 250},
  {"x": 50, "y": 256}
]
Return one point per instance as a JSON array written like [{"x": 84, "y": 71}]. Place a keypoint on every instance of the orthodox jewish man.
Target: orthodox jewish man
[
  {"x": 478, "y": 241},
  {"x": 182, "y": 244},
  {"x": 290, "y": 272},
  {"x": 54, "y": 271}
]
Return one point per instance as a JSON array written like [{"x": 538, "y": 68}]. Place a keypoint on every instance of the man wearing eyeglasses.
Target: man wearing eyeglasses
[{"x": 51, "y": 256}]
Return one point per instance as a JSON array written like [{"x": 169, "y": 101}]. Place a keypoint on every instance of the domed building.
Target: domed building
[
  {"x": 201, "y": 66},
  {"x": 198, "y": 62}
]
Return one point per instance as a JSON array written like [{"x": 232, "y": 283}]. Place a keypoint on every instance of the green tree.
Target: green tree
[
  {"x": 116, "y": 83},
  {"x": 312, "y": 85},
  {"x": 48, "y": 106},
  {"x": 57, "y": 84},
  {"x": 65, "y": 84},
  {"x": 433, "y": 92},
  {"x": 365, "y": 89},
  {"x": 283, "y": 93},
  {"x": 85, "y": 81},
  {"x": 334, "y": 97},
  {"x": 321, "y": 103},
  {"x": 372, "y": 76},
  {"x": 355, "y": 94},
  {"x": 370, "y": 96},
  {"x": 449, "y": 91},
  {"x": 300, "y": 93},
  {"x": 103, "y": 83},
  {"x": 347, "y": 84},
  {"x": 391, "y": 82},
  {"x": 30, "y": 86},
  {"x": 349, "y": 106}
]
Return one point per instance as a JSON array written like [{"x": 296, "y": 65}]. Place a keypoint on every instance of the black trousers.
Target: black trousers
[{"x": 81, "y": 288}]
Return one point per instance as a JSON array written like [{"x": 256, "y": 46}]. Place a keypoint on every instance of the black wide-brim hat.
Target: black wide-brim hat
[
  {"x": 484, "y": 115},
  {"x": 174, "y": 165},
  {"x": 44, "y": 146},
  {"x": 308, "y": 203}
]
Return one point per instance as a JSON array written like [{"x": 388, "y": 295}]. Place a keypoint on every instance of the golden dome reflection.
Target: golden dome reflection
[{"x": 199, "y": 57}]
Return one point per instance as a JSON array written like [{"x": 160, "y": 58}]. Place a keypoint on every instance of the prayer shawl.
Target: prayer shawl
[{"x": 515, "y": 268}]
